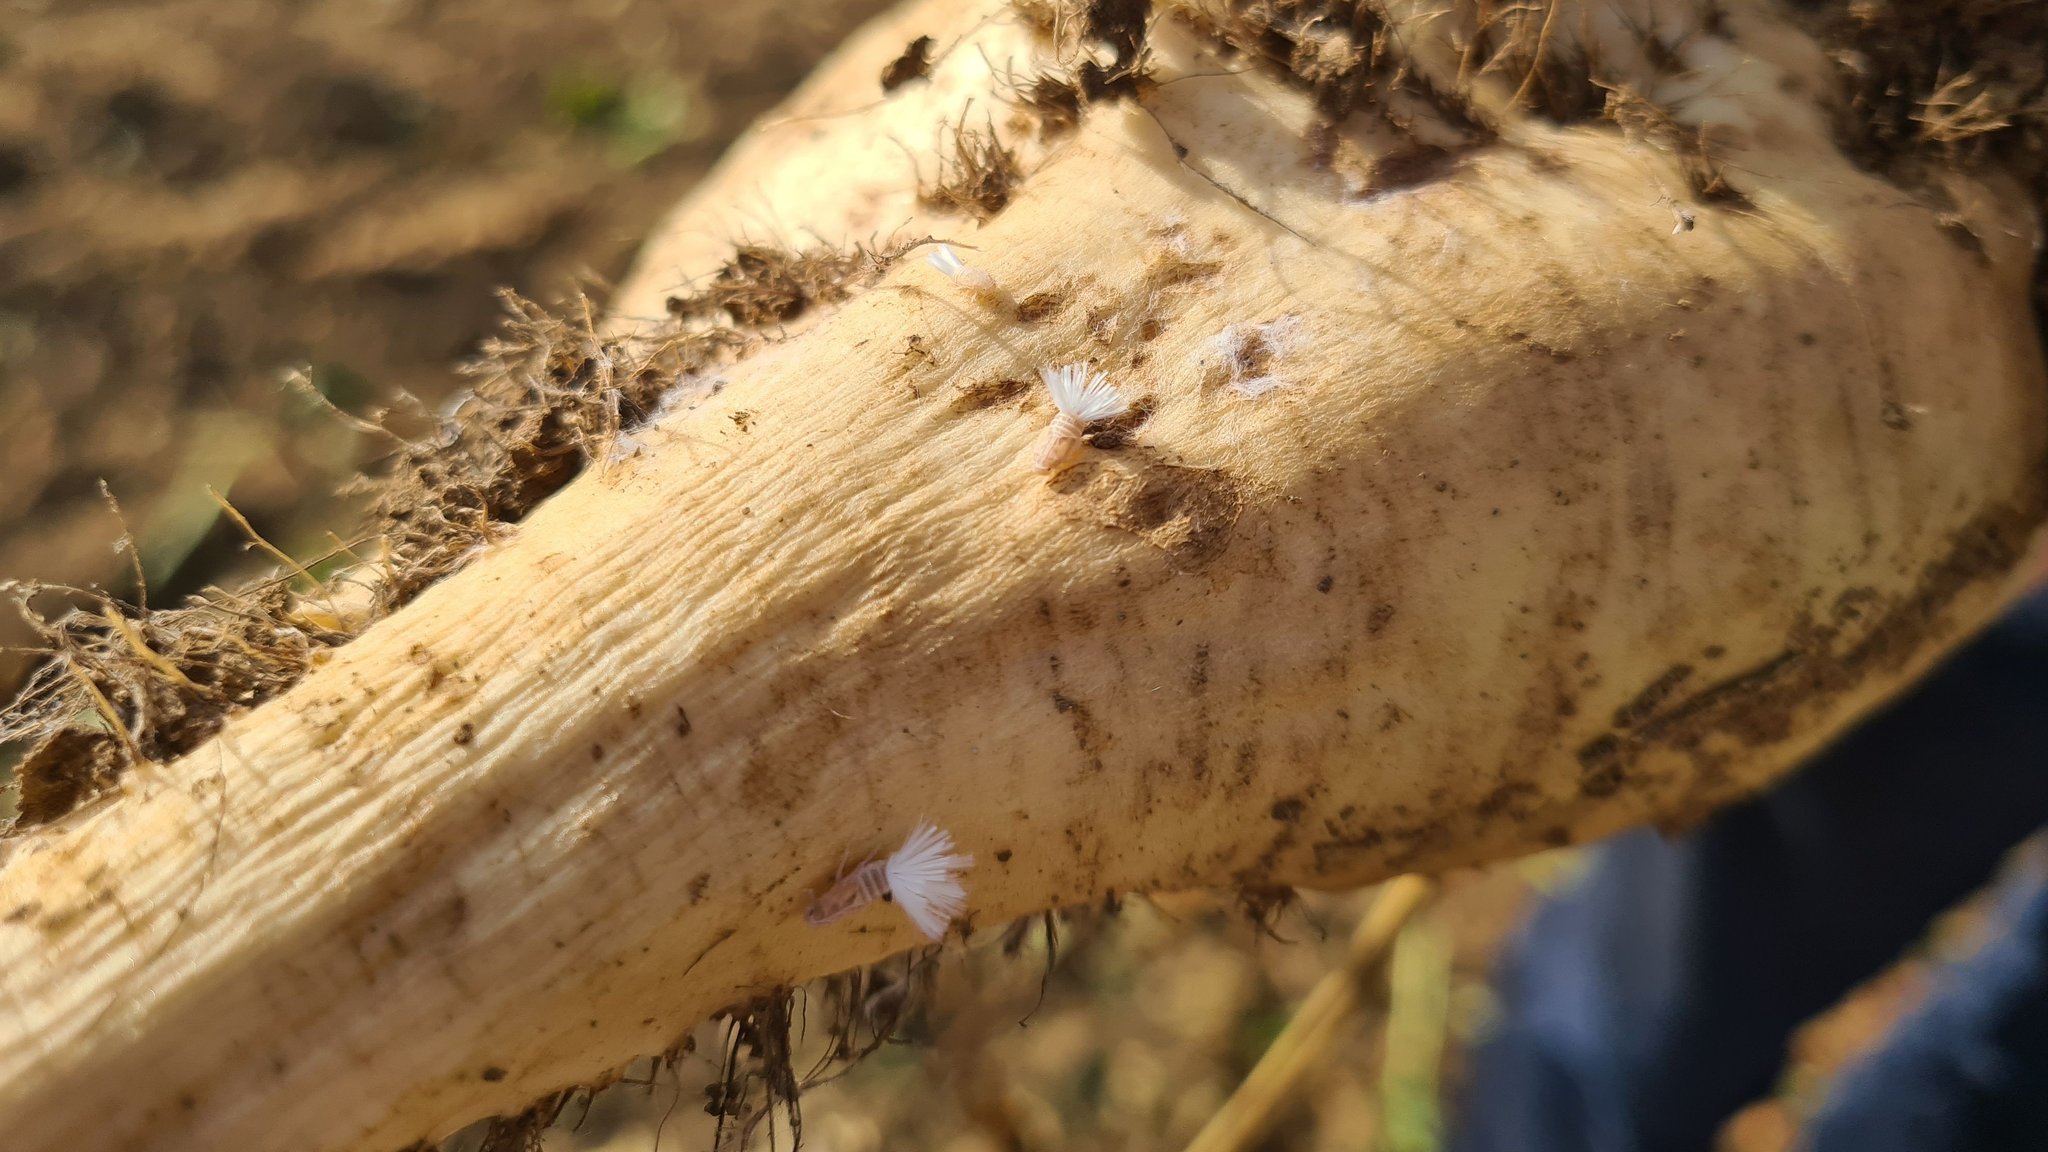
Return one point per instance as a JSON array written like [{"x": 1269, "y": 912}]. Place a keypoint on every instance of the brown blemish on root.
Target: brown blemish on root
[
  {"x": 1040, "y": 306},
  {"x": 914, "y": 64},
  {"x": 1112, "y": 434},
  {"x": 1861, "y": 635},
  {"x": 1651, "y": 698},
  {"x": 975, "y": 395},
  {"x": 1188, "y": 513},
  {"x": 1086, "y": 735},
  {"x": 1406, "y": 167},
  {"x": 1171, "y": 269}
]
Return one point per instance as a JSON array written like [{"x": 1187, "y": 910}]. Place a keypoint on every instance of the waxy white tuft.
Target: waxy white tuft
[
  {"x": 1083, "y": 393},
  {"x": 1082, "y": 396},
  {"x": 924, "y": 879},
  {"x": 970, "y": 279}
]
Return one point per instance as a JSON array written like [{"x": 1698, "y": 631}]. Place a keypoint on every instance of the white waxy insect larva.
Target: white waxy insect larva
[
  {"x": 1082, "y": 395},
  {"x": 922, "y": 878},
  {"x": 965, "y": 276}
]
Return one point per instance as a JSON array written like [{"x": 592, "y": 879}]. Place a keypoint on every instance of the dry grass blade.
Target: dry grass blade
[{"x": 1308, "y": 1036}]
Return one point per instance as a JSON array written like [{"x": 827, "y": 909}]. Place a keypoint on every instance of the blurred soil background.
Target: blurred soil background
[
  {"x": 197, "y": 195},
  {"x": 1148, "y": 1018}
]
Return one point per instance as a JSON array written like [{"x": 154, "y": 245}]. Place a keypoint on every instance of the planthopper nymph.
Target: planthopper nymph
[
  {"x": 922, "y": 878},
  {"x": 1082, "y": 395}
]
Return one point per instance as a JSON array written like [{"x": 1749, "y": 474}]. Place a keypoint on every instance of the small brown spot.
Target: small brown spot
[
  {"x": 1040, "y": 306},
  {"x": 1407, "y": 167},
  {"x": 1083, "y": 722},
  {"x": 1649, "y": 699},
  {"x": 493, "y": 1074},
  {"x": 465, "y": 733},
  {"x": 1381, "y": 616},
  {"x": 1289, "y": 810},
  {"x": 698, "y": 884},
  {"x": 741, "y": 419},
  {"x": 1150, "y": 329},
  {"x": 682, "y": 721},
  {"x": 596, "y": 752},
  {"x": 1325, "y": 584},
  {"x": 915, "y": 349},
  {"x": 1002, "y": 855},
  {"x": 1112, "y": 434},
  {"x": 979, "y": 394},
  {"x": 1171, "y": 270},
  {"x": 914, "y": 64},
  {"x": 1600, "y": 767}
]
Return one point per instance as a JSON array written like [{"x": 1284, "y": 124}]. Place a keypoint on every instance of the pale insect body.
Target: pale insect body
[
  {"x": 1082, "y": 396},
  {"x": 965, "y": 276},
  {"x": 922, "y": 878}
]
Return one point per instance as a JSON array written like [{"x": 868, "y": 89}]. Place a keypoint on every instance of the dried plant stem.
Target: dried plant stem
[{"x": 1317, "y": 1024}]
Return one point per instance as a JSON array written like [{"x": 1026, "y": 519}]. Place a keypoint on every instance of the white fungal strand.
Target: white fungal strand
[
  {"x": 965, "y": 276},
  {"x": 1082, "y": 396},
  {"x": 922, "y": 878}
]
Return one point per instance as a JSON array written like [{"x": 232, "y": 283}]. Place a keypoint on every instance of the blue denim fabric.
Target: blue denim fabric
[{"x": 1644, "y": 1006}]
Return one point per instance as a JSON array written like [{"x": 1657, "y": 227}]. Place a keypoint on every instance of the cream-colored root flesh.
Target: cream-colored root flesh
[{"x": 1522, "y": 519}]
